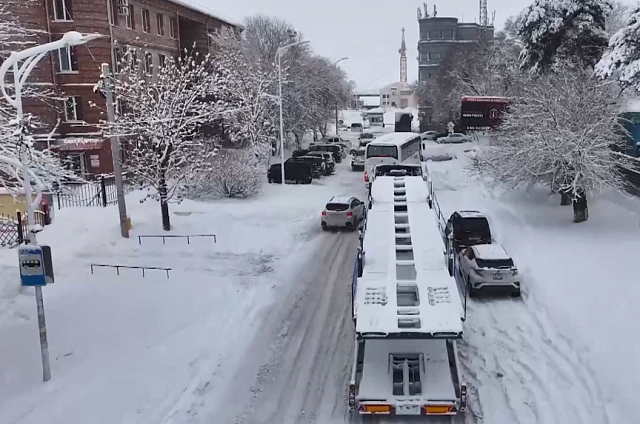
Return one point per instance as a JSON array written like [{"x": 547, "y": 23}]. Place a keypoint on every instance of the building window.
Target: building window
[
  {"x": 73, "y": 109},
  {"x": 435, "y": 56},
  {"x": 160, "y": 22},
  {"x": 148, "y": 63},
  {"x": 113, "y": 13},
  {"x": 130, "y": 19},
  {"x": 161, "y": 60},
  {"x": 452, "y": 35},
  {"x": 67, "y": 59},
  {"x": 428, "y": 75},
  {"x": 62, "y": 10},
  {"x": 173, "y": 28},
  {"x": 146, "y": 21}
]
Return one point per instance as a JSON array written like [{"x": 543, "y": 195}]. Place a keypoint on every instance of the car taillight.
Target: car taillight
[
  {"x": 366, "y": 177},
  {"x": 324, "y": 213},
  {"x": 349, "y": 214}
]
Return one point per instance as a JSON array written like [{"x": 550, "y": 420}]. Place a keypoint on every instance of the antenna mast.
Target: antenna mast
[{"x": 484, "y": 20}]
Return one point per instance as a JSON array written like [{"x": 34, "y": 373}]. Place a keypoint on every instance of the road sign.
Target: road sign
[{"x": 31, "y": 262}]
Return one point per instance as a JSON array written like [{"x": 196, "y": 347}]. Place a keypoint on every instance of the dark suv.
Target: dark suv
[
  {"x": 300, "y": 172},
  {"x": 317, "y": 164},
  {"x": 464, "y": 229}
]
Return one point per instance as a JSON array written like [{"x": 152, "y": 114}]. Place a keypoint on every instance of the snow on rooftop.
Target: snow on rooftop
[
  {"x": 490, "y": 251},
  {"x": 196, "y": 6},
  {"x": 340, "y": 199},
  {"x": 395, "y": 138},
  {"x": 471, "y": 214},
  {"x": 370, "y": 101},
  {"x": 405, "y": 287}
]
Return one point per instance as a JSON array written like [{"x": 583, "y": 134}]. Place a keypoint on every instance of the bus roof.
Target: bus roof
[
  {"x": 394, "y": 139},
  {"x": 405, "y": 290}
]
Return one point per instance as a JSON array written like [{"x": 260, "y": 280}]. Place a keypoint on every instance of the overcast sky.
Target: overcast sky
[{"x": 368, "y": 32}]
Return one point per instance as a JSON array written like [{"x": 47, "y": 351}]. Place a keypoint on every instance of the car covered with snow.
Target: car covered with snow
[
  {"x": 488, "y": 268},
  {"x": 342, "y": 212},
  {"x": 454, "y": 139},
  {"x": 357, "y": 160}
]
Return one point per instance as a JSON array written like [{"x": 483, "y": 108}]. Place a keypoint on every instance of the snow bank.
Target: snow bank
[{"x": 568, "y": 353}]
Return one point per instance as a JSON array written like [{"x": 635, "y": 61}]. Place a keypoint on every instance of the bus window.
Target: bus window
[{"x": 374, "y": 151}]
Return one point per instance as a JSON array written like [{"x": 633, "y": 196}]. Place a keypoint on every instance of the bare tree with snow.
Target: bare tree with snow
[
  {"x": 559, "y": 132},
  {"x": 622, "y": 59},
  {"x": 563, "y": 30},
  {"x": 160, "y": 113},
  {"x": 44, "y": 164}
]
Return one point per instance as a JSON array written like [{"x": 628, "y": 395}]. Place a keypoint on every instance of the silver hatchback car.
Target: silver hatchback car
[{"x": 342, "y": 212}]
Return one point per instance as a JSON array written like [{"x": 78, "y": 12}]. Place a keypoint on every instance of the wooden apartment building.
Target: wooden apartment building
[{"x": 163, "y": 28}]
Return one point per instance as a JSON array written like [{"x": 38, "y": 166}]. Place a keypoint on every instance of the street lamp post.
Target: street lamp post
[
  {"x": 279, "y": 61},
  {"x": 336, "y": 64},
  {"x": 30, "y": 58}
]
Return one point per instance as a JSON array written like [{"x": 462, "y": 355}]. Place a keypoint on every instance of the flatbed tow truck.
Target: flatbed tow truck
[{"x": 406, "y": 308}]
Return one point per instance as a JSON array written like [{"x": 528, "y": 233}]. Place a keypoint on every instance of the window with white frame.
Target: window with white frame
[
  {"x": 146, "y": 21},
  {"x": 62, "y": 10},
  {"x": 73, "y": 109},
  {"x": 162, "y": 59},
  {"x": 130, "y": 18},
  {"x": 113, "y": 13},
  {"x": 67, "y": 59},
  {"x": 160, "y": 23},
  {"x": 173, "y": 28},
  {"x": 148, "y": 63}
]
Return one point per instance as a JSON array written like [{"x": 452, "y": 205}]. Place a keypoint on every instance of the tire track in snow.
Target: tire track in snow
[
  {"x": 522, "y": 368},
  {"x": 288, "y": 369}
]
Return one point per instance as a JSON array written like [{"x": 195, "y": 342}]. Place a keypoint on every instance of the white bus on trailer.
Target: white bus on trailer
[
  {"x": 390, "y": 149},
  {"x": 406, "y": 308}
]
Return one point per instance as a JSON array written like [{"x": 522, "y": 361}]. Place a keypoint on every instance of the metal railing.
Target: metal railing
[
  {"x": 98, "y": 193},
  {"x": 165, "y": 236},
  {"x": 143, "y": 268}
]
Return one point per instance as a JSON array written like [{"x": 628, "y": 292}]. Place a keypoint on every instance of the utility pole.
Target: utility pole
[{"x": 107, "y": 84}]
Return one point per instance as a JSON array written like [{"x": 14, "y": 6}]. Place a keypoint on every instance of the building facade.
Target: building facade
[
  {"x": 398, "y": 95},
  {"x": 438, "y": 35},
  {"x": 161, "y": 28}
]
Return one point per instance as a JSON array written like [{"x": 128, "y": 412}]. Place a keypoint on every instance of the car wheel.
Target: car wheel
[
  {"x": 516, "y": 294},
  {"x": 450, "y": 266},
  {"x": 270, "y": 180},
  {"x": 349, "y": 226},
  {"x": 309, "y": 180}
]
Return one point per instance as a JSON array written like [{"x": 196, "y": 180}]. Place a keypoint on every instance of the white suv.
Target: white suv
[{"x": 488, "y": 267}]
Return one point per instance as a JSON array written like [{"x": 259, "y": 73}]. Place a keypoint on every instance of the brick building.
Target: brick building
[{"x": 163, "y": 28}]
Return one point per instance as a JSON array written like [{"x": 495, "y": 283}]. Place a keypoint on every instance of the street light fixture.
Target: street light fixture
[
  {"x": 336, "y": 64},
  {"x": 30, "y": 58},
  {"x": 279, "y": 58}
]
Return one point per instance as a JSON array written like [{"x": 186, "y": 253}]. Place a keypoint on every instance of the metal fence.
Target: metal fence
[
  {"x": 87, "y": 194},
  {"x": 14, "y": 229}
]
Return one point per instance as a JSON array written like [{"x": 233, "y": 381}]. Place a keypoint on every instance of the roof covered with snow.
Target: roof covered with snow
[
  {"x": 340, "y": 199},
  {"x": 471, "y": 214},
  {"x": 394, "y": 139},
  {"x": 405, "y": 289},
  {"x": 370, "y": 101},
  {"x": 197, "y": 7},
  {"x": 490, "y": 251}
]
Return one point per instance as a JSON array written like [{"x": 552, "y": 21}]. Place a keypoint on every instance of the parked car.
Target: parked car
[
  {"x": 366, "y": 135},
  {"x": 330, "y": 148},
  {"x": 332, "y": 139},
  {"x": 298, "y": 172},
  {"x": 356, "y": 126},
  {"x": 465, "y": 229},
  {"x": 357, "y": 159},
  {"x": 429, "y": 135},
  {"x": 342, "y": 212},
  {"x": 488, "y": 268},
  {"x": 330, "y": 164},
  {"x": 318, "y": 165},
  {"x": 454, "y": 138}
]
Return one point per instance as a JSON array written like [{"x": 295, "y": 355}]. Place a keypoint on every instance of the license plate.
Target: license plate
[
  {"x": 408, "y": 410},
  {"x": 497, "y": 276}
]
